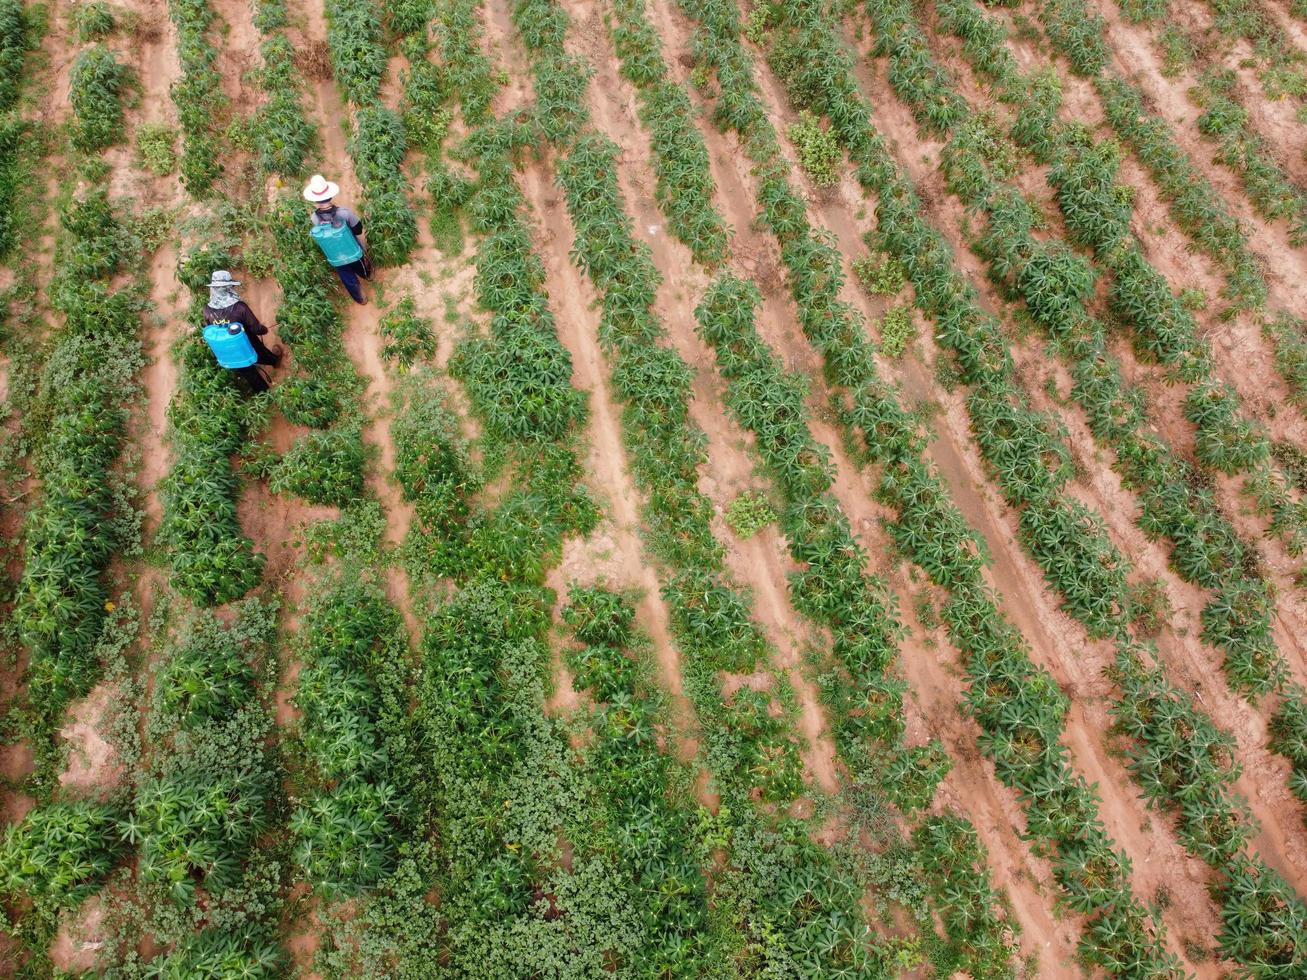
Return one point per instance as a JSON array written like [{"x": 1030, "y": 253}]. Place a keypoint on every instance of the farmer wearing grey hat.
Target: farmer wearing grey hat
[{"x": 226, "y": 306}]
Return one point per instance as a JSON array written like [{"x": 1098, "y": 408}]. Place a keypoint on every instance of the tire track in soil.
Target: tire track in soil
[
  {"x": 1157, "y": 857},
  {"x": 934, "y": 705},
  {"x": 895, "y": 121},
  {"x": 762, "y": 561}
]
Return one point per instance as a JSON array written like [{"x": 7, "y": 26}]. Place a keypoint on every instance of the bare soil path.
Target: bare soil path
[
  {"x": 572, "y": 300},
  {"x": 1271, "y": 807},
  {"x": 94, "y": 766},
  {"x": 93, "y": 761},
  {"x": 933, "y": 704},
  {"x": 762, "y": 561},
  {"x": 1031, "y": 607},
  {"x": 362, "y": 339}
]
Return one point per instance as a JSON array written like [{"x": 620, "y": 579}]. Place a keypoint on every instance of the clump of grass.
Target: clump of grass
[
  {"x": 449, "y": 192},
  {"x": 93, "y": 21},
  {"x": 755, "y": 26},
  {"x": 97, "y": 83},
  {"x": 897, "y": 328},
  {"x": 1150, "y": 607},
  {"x": 818, "y": 149},
  {"x": 155, "y": 145},
  {"x": 749, "y": 513},
  {"x": 407, "y": 336},
  {"x": 880, "y": 276}
]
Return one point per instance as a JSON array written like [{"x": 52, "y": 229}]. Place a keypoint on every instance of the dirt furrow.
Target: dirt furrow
[
  {"x": 573, "y": 302},
  {"x": 933, "y": 705},
  {"x": 1286, "y": 848},
  {"x": 1051, "y": 633},
  {"x": 93, "y": 763},
  {"x": 760, "y": 562},
  {"x": 362, "y": 338}
]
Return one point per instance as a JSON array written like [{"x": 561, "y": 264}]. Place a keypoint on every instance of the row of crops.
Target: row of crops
[
  {"x": 375, "y": 709},
  {"x": 1148, "y": 709}
]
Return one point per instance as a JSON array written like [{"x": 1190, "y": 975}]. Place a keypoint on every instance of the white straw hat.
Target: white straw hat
[{"x": 320, "y": 189}]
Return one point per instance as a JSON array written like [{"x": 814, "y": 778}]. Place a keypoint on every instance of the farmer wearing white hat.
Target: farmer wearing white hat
[
  {"x": 225, "y": 308},
  {"x": 339, "y": 233}
]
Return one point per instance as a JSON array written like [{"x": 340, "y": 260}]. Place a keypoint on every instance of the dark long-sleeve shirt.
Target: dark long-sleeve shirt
[{"x": 238, "y": 312}]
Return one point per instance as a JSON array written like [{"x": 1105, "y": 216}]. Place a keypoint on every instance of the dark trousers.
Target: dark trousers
[
  {"x": 265, "y": 356},
  {"x": 252, "y": 379},
  {"x": 349, "y": 277}
]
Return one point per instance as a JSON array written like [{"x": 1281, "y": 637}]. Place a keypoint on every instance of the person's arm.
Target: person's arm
[
  {"x": 250, "y": 321},
  {"x": 354, "y": 221}
]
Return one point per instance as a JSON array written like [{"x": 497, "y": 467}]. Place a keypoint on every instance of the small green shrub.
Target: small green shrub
[
  {"x": 1150, "y": 607},
  {"x": 1177, "y": 48},
  {"x": 270, "y": 15},
  {"x": 60, "y": 851},
  {"x": 195, "y": 829},
  {"x": 407, "y": 336},
  {"x": 818, "y": 149},
  {"x": 449, "y": 192},
  {"x": 155, "y": 145},
  {"x": 756, "y": 24},
  {"x": 207, "y": 676},
  {"x": 217, "y": 954},
  {"x": 426, "y": 117},
  {"x": 883, "y": 276},
  {"x": 897, "y": 328},
  {"x": 749, "y": 513},
  {"x": 93, "y": 20},
  {"x": 358, "y": 57},
  {"x": 599, "y": 616},
  {"x": 283, "y": 136},
  {"x": 96, "y": 84},
  {"x": 344, "y": 837},
  {"x": 322, "y": 467}
]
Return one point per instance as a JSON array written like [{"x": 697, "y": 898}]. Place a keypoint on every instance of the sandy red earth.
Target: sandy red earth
[{"x": 616, "y": 553}]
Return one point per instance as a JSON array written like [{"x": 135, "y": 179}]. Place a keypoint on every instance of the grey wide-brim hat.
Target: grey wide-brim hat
[{"x": 222, "y": 278}]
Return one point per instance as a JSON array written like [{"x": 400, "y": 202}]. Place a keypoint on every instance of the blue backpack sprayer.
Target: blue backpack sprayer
[
  {"x": 337, "y": 242},
  {"x": 230, "y": 345}
]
